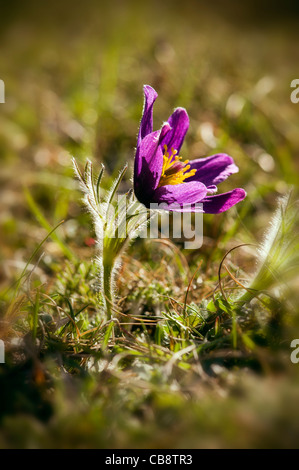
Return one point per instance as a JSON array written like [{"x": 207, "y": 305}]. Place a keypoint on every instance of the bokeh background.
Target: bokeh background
[{"x": 73, "y": 74}]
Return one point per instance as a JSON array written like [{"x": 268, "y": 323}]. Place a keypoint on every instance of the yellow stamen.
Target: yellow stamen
[{"x": 174, "y": 171}]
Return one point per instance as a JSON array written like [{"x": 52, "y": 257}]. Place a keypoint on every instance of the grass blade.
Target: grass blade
[{"x": 45, "y": 224}]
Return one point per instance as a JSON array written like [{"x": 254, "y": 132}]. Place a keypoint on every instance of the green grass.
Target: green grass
[{"x": 194, "y": 360}]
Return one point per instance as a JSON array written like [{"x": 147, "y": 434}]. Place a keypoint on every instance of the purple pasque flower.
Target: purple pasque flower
[{"x": 160, "y": 175}]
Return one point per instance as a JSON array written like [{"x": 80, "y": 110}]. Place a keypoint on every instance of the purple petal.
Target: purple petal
[
  {"x": 146, "y": 125},
  {"x": 148, "y": 164},
  {"x": 179, "y": 122},
  {"x": 222, "y": 202},
  {"x": 176, "y": 207},
  {"x": 213, "y": 170},
  {"x": 180, "y": 194},
  {"x": 147, "y": 151},
  {"x": 148, "y": 161}
]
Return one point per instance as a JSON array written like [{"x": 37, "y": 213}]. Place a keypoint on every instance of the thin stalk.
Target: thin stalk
[
  {"x": 107, "y": 287},
  {"x": 35, "y": 315}
]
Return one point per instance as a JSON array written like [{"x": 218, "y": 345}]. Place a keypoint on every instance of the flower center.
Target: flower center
[{"x": 174, "y": 171}]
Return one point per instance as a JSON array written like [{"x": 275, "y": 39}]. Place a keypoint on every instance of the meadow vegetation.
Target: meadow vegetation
[{"x": 200, "y": 354}]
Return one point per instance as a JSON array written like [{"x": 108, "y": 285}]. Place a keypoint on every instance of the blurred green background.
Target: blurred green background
[{"x": 73, "y": 74}]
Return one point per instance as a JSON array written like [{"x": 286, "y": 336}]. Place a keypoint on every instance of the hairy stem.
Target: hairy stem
[{"x": 107, "y": 287}]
